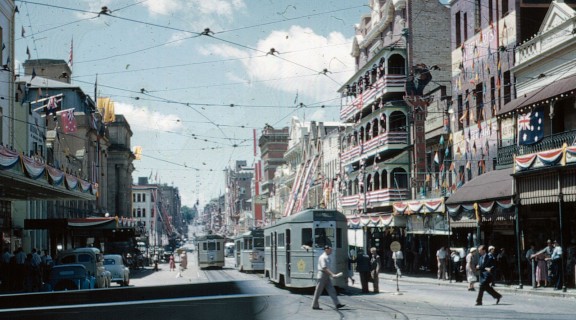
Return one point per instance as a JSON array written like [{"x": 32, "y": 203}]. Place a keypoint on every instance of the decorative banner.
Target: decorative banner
[
  {"x": 8, "y": 158},
  {"x": 32, "y": 168},
  {"x": 71, "y": 182}
]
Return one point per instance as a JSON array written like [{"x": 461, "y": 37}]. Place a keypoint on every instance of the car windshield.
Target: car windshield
[{"x": 108, "y": 262}]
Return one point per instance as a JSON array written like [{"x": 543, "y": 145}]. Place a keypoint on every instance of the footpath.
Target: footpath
[{"x": 388, "y": 279}]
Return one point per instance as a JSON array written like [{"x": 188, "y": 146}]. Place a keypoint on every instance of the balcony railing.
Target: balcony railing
[
  {"x": 555, "y": 141},
  {"x": 388, "y": 83},
  {"x": 382, "y": 197},
  {"x": 388, "y": 140}
]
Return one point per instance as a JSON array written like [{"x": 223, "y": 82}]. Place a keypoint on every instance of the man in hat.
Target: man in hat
[
  {"x": 556, "y": 259},
  {"x": 485, "y": 267},
  {"x": 324, "y": 281}
]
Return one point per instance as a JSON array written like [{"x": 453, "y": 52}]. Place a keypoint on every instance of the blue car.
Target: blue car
[{"x": 69, "y": 277}]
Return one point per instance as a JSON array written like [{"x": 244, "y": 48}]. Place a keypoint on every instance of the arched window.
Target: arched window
[
  {"x": 375, "y": 129},
  {"x": 381, "y": 68},
  {"x": 368, "y": 131},
  {"x": 382, "y": 121},
  {"x": 396, "y": 64},
  {"x": 400, "y": 178},
  {"x": 384, "y": 179},
  {"x": 356, "y": 186},
  {"x": 374, "y": 73},
  {"x": 376, "y": 181},
  {"x": 362, "y": 139},
  {"x": 369, "y": 183},
  {"x": 397, "y": 121}
]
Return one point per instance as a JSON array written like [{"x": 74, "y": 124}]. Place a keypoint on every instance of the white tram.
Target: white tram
[
  {"x": 293, "y": 244},
  {"x": 210, "y": 251},
  {"x": 250, "y": 251}
]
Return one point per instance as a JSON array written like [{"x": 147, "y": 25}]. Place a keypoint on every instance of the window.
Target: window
[
  {"x": 467, "y": 109},
  {"x": 477, "y": 16},
  {"x": 458, "y": 29},
  {"x": 465, "y": 27},
  {"x": 490, "y": 13},
  {"x": 492, "y": 94},
  {"x": 338, "y": 238},
  {"x": 281, "y": 240},
  {"x": 504, "y": 7},
  {"x": 507, "y": 87},
  {"x": 324, "y": 237},
  {"x": 133, "y": 197},
  {"x": 143, "y": 197},
  {"x": 267, "y": 241},
  {"x": 479, "y": 102},
  {"x": 307, "y": 237},
  {"x": 143, "y": 212},
  {"x": 139, "y": 198}
]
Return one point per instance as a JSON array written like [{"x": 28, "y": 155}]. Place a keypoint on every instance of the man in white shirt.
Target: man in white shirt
[
  {"x": 556, "y": 259},
  {"x": 324, "y": 275}
]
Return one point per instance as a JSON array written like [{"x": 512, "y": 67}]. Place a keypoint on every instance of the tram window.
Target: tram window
[
  {"x": 338, "y": 238},
  {"x": 212, "y": 246},
  {"x": 204, "y": 246},
  {"x": 307, "y": 237},
  {"x": 217, "y": 245},
  {"x": 280, "y": 239},
  {"x": 323, "y": 237},
  {"x": 267, "y": 241},
  {"x": 249, "y": 244}
]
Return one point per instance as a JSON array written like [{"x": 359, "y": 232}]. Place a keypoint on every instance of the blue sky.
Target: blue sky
[{"x": 183, "y": 120}]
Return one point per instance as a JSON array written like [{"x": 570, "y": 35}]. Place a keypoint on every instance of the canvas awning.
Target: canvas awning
[
  {"x": 493, "y": 185},
  {"x": 559, "y": 87}
]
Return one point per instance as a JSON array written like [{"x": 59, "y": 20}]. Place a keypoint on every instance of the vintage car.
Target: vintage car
[
  {"x": 69, "y": 277},
  {"x": 120, "y": 272},
  {"x": 92, "y": 260}
]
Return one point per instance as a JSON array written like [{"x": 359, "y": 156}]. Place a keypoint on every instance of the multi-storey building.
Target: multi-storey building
[
  {"x": 149, "y": 212},
  {"x": 399, "y": 45},
  {"x": 238, "y": 209},
  {"x": 120, "y": 166},
  {"x": 273, "y": 143}
]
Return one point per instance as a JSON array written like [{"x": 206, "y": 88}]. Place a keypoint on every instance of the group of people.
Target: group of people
[
  {"x": 24, "y": 272},
  {"x": 546, "y": 264}
]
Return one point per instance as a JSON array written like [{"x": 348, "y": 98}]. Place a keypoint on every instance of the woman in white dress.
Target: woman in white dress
[{"x": 471, "y": 272}]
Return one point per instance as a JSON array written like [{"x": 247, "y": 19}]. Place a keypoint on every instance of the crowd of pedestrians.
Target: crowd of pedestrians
[{"x": 24, "y": 272}]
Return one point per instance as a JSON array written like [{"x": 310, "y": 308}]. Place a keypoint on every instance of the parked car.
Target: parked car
[
  {"x": 69, "y": 277},
  {"x": 92, "y": 260},
  {"x": 119, "y": 271}
]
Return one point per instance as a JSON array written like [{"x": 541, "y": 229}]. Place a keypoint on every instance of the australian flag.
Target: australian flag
[{"x": 531, "y": 127}]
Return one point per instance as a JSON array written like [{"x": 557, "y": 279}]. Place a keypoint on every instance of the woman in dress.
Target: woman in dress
[
  {"x": 172, "y": 263},
  {"x": 541, "y": 268},
  {"x": 471, "y": 263}
]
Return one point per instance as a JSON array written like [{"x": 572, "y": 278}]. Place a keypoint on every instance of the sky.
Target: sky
[{"x": 194, "y": 78}]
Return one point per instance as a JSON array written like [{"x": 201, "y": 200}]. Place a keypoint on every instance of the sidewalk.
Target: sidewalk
[{"x": 386, "y": 279}]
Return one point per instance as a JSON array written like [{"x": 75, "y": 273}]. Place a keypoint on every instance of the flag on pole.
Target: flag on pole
[
  {"x": 33, "y": 74},
  {"x": 28, "y": 52},
  {"x": 68, "y": 121}
]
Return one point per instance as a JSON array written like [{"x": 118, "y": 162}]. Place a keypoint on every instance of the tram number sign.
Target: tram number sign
[{"x": 395, "y": 246}]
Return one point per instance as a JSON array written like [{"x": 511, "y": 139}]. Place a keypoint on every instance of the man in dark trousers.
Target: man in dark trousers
[
  {"x": 324, "y": 280},
  {"x": 485, "y": 266},
  {"x": 363, "y": 267}
]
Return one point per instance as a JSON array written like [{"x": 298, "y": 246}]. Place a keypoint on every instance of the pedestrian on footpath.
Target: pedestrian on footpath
[
  {"x": 441, "y": 259},
  {"x": 324, "y": 281},
  {"x": 172, "y": 263},
  {"x": 471, "y": 271},
  {"x": 375, "y": 268},
  {"x": 363, "y": 267},
  {"x": 556, "y": 259},
  {"x": 486, "y": 265}
]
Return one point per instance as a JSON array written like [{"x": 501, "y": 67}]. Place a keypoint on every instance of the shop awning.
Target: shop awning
[
  {"x": 493, "y": 185},
  {"x": 559, "y": 87}
]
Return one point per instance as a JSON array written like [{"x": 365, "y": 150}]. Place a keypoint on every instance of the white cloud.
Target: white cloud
[
  {"x": 303, "y": 54},
  {"x": 225, "y": 8},
  {"x": 142, "y": 119}
]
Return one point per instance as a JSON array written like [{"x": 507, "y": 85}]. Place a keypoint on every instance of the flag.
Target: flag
[
  {"x": 106, "y": 109},
  {"x": 28, "y": 52},
  {"x": 33, "y": 74},
  {"x": 137, "y": 153},
  {"x": 23, "y": 32},
  {"x": 68, "y": 121},
  {"x": 531, "y": 127},
  {"x": 70, "y": 59},
  {"x": 3, "y": 46},
  {"x": 436, "y": 158},
  {"x": 441, "y": 140}
]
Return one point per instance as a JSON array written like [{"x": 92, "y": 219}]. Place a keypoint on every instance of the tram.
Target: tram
[
  {"x": 210, "y": 251},
  {"x": 250, "y": 251},
  {"x": 293, "y": 244}
]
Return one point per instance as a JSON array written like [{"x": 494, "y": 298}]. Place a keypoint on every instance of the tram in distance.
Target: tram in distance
[
  {"x": 210, "y": 251},
  {"x": 293, "y": 244},
  {"x": 250, "y": 251}
]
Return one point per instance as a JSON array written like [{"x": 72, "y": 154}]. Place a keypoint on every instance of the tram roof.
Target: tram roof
[
  {"x": 313, "y": 215},
  {"x": 209, "y": 237}
]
